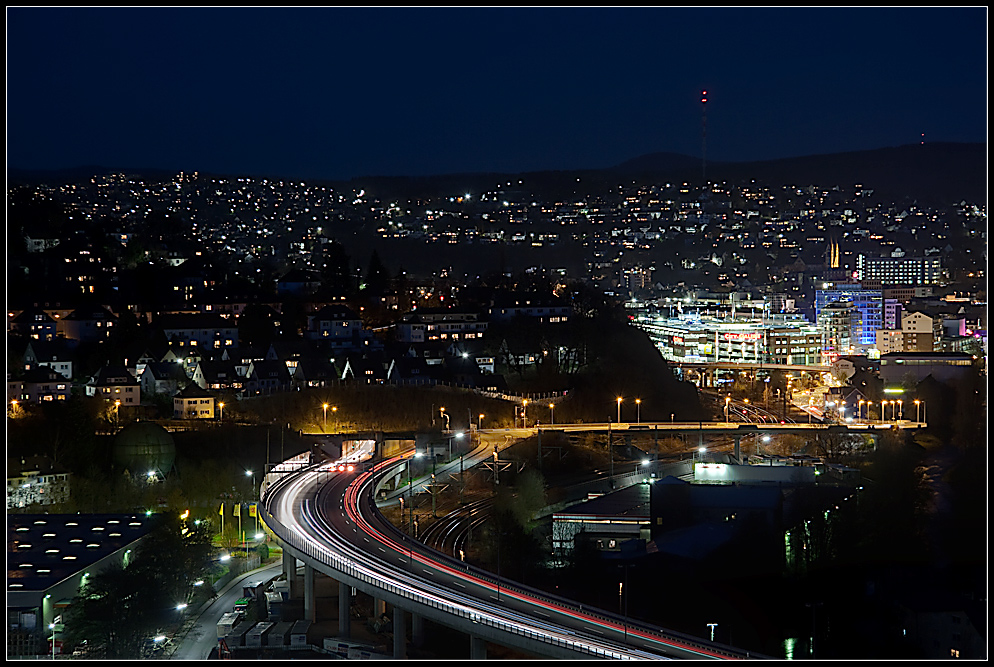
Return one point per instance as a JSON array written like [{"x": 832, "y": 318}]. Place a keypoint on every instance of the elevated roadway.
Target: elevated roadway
[{"x": 328, "y": 520}]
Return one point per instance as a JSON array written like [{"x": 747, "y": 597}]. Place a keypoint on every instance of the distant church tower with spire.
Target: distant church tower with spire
[{"x": 832, "y": 254}]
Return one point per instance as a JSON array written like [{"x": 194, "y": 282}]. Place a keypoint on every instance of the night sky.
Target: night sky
[{"x": 340, "y": 93}]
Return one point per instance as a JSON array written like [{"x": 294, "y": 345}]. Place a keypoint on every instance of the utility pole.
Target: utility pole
[
  {"x": 539, "y": 448},
  {"x": 610, "y": 450}
]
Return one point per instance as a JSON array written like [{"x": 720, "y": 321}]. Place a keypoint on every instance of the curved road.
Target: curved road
[{"x": 334, "y": 514}]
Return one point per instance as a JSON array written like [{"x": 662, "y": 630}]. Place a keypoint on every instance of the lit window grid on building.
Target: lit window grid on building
[{"x": 900, "y": 270}]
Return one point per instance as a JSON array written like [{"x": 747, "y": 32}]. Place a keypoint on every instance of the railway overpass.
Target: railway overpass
[{"x": 707, "y": 371}]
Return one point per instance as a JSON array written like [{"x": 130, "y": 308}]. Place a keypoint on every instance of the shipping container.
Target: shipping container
[
  {"x": 227, "y": 624},
  {"x": 256, "y": 637},
  {"x": 298, "y": 634},
  {"x": 280, "y": 634}
]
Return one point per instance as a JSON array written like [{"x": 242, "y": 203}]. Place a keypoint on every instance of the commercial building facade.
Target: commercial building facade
[{"x": 783, "y": 340}]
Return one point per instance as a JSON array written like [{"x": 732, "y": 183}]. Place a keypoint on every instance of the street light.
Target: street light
[
  {"x": 859, "y": 409},
  {"x": 552, "y": 413},
  {"x": 524, "y": 408},
  {"x": 619, "y": 409},
  {"x": 638, "y": 410},
  {"x": 728, "y": 399},
  {"x": 447, "y": 418},
  {"x": 479, "y": 423},
  {"x": 900, "y": 410},
  {"x": 221, "y": 413},
  {"x": 325, "y": 406}
]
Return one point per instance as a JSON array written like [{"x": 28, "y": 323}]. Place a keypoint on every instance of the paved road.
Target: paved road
[{"x": 201, "y": 637}]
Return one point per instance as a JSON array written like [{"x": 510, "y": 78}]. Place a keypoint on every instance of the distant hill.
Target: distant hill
[
  {"x": 933, "y": 172},
  {"x": 936, "y": 173}
]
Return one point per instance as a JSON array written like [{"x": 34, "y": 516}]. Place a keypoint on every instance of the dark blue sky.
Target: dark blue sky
[{"x": 337, "y": 93}]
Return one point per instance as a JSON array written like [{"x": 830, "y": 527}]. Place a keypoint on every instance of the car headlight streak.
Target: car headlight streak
[{"x": 294, "y": 511}]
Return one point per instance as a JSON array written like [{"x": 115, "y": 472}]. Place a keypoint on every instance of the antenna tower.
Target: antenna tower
[{"x": 704, "y": 135}]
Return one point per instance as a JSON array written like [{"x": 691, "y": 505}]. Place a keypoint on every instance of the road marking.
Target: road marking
[
  {"x": 382, "y": 549},
  {"x": 541, "y": 614},
  {"x": 597, "y": 631},
  {"x": 458, "y": 584},
  {"x": 426, "y": 571}
]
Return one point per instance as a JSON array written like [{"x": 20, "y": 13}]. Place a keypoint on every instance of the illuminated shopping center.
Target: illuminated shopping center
[{"x": 784, "y": 339}]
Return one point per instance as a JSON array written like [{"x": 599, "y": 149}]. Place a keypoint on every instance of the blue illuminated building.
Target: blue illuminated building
[{"x": 869, "y": 303}]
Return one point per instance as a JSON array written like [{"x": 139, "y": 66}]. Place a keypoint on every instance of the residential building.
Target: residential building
[
  {"x": 266, "y": 377},
  {"x": 36, "y": 480},
  {"x": 37, "y": 386},
  {"x": 193, "y": 403},
  {"x": 547, "y": 310},
  {"x": 900, "y": 270},
  {"x": 162, "y": 377},
  {"x": 115, "y": 383},
  {"x": 89, "y": 324},
  {"x": 337, "y": 325},
  {"x": 427, "y": 324},
  {"x": 206, "y": 331},
  {"x": 34, "y": 323},
  {"x": 55, "y": 354}
]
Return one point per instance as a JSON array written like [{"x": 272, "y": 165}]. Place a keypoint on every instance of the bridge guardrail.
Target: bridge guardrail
[{"x": 348, "y": 567}]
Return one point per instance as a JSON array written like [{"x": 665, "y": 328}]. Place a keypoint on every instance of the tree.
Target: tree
[
  {"x": 256, "y": 327},
  {"x": 336, "y": 275},
  {"x": 120, "y": 607},
  {"x": 377, "y": 278}
]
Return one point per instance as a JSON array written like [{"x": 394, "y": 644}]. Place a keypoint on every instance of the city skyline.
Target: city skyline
[{"x": 345, "y": 93}]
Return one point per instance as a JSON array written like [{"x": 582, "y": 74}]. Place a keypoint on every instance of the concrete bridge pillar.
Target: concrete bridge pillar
[
  {"x": 379, "y": 607},
  {"x": 738, "y": 449},
  {"x": 344, "y": 605},
  {"x": 290, "y": 572},
  {"x": 399, "y": 634},
  {"x": 308, "y": 592},
  {"x": 477, "y": 648},
  {"x": 417, "y": 629}
]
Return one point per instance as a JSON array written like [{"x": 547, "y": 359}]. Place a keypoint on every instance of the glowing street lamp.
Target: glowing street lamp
[
  {"x": 325, "y": 407},
  {"x": 479, "y": 423},
  {"x": 619, "y": 409},
  {"x": 900, "y": 410},
  {"x": 638, "y": 410},
  {"x": 728, "y": 399},
  {"x": 221, "y": 411},
  {"x": 447, "y": 418},
  {"x": 552, "y": 413},
  {"x": 524, "y": 419}
]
